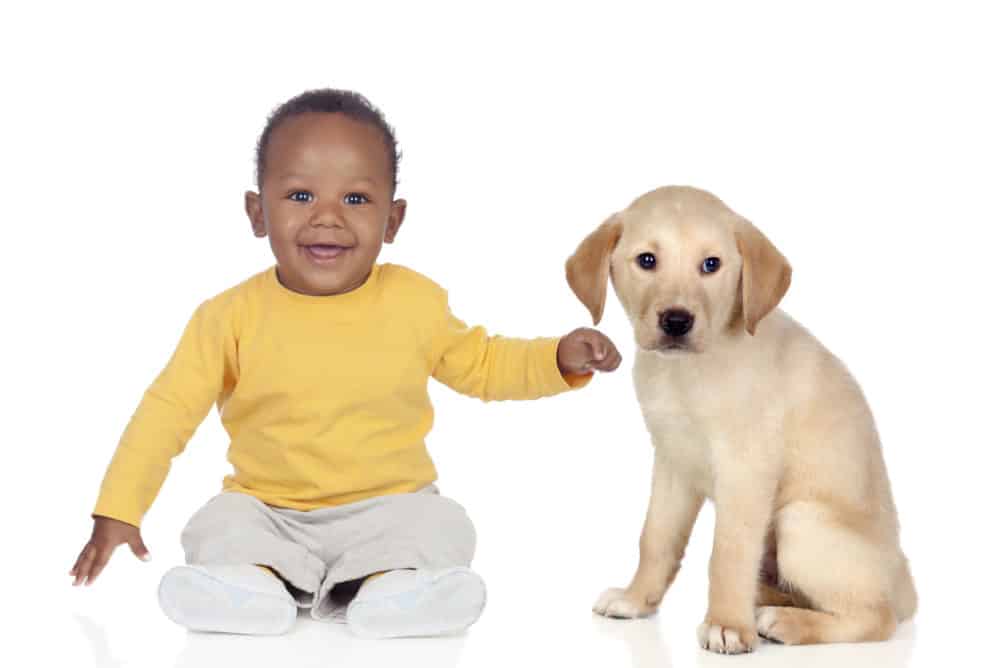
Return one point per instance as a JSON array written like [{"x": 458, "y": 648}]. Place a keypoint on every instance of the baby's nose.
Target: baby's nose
[{"x": 327, "y": 217}]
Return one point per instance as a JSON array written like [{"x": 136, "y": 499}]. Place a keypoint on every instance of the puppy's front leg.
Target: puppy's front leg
[
  {"x": 743, "y": 504},
  {"x": 673, "y": 507}
]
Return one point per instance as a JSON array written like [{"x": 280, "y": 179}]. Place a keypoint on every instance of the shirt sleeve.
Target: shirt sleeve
[
  {"x": 203, "y": 370},
  {"x": 494, "y": 368}
]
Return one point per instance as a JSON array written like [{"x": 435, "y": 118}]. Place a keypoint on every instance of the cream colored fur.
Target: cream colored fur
[{"x": 750, "y": 411}]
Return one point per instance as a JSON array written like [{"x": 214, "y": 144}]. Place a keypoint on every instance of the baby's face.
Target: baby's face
[{"x": 325, "y": 202}]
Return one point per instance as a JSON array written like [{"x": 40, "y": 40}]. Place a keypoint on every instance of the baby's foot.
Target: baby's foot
[
  {"x": 417, "y": 603},
  {"x": 227, "y": 599}
]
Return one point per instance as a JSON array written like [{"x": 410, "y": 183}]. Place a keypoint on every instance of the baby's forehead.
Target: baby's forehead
[{"x": 315, "y": 142}]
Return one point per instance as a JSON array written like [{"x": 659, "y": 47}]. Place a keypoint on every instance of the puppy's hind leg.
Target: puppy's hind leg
[
  {"x": 800, "y": 626},
  {"x": 845, "y": 577}
]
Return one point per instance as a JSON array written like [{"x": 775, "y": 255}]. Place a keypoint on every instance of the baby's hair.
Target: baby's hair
[{"x": 332, "y": 101}]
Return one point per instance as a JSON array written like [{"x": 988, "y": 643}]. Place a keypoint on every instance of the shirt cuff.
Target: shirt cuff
[{"x": 117, "y": 511}]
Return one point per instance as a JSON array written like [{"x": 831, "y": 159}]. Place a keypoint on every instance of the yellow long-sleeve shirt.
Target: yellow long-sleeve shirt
[{"x": 324, "y": 398}]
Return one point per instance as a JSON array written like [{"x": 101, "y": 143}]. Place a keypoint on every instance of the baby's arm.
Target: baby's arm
[
  {"x": 201, "y": 371},
  {"x": 496, "y": 367}
]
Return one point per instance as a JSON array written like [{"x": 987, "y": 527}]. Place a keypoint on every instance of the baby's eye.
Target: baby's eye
[
  {"x": 301, "y": 196},
  {"x": 356, "y": 198}
]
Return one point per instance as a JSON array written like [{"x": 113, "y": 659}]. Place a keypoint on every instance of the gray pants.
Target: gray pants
[{"x": 318, "y": 549}]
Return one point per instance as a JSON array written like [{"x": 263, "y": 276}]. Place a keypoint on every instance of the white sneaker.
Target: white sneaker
[
  {"x": 227, "y": 599},
  {"x": 407, "y": 603}
]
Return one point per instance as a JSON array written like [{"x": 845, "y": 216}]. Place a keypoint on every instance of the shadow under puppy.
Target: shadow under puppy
[{"x": 746, "y": 408}]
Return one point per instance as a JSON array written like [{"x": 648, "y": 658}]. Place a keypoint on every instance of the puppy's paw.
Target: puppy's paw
[
  {"x": 727, "y": 638},
  {"x": 777, "y": 625},
  {"x": 622, "y": 604}
]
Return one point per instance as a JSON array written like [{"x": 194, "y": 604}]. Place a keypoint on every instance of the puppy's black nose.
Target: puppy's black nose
[{"x": 676, "y": 322}]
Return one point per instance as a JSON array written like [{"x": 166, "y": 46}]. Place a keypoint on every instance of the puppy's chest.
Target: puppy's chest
[
  {"x": 686, "y": 427},
  {"x": 682, "y": 441},
  {"x": 683, "y": 407}
]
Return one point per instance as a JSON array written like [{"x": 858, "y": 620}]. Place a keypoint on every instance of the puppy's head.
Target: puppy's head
[{"x": 686, "y": 268}]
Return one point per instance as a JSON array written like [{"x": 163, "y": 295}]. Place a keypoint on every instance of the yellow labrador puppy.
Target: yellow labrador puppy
[{"x": 747, "y": 409}]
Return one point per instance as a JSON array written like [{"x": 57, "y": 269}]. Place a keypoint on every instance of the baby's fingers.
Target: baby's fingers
[
  {"x": 81, "y": 569},
  {"x": 100, "y": 561},
  {"x": 139, "y": 548},
  {"x": 606, "y": 357},
  {"x": 610, "y": 361},
  {"x": 616, "y": 357}
]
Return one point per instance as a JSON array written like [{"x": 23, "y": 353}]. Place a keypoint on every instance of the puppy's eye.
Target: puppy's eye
[
  {"x": 303, "y": 196},
  {"x": 711, "y": 265},
  {"x": 646, "y": 260}
]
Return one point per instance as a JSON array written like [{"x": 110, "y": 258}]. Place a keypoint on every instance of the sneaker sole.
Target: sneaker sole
[{"x": 198, "y": 601}]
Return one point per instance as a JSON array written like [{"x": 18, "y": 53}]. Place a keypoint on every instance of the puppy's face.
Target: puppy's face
[
  {"x": 676, "y": 271},
  {"x": 686, "y": 268}
]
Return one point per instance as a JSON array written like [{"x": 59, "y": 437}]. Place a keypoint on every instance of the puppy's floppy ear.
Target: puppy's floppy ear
[
  {"x": 766, "y": 273},
  {"x": 588, "y": 268}
]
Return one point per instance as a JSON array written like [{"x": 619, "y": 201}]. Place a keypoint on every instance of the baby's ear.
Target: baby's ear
[
  {"x": 255, "y": 212},
  {"x": 588, "y": 269},
  {"x": 396, "y": 215}
]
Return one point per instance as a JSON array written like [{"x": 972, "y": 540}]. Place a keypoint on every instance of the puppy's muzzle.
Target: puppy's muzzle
[{"x": 676, "y": 322}]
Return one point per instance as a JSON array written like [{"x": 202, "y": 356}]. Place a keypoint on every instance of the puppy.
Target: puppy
[{"x": 747, "y": 409}]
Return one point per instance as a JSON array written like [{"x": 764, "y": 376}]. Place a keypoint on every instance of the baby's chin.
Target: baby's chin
[{"x": 324, "y": 282}]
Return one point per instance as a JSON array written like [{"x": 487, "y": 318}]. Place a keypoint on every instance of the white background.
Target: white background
[{"x": 861, "y": 139}]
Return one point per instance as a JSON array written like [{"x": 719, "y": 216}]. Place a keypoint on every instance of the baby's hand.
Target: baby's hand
[
  {"x": 108, "y": 534},
  {"x": 583, "y": 350}
]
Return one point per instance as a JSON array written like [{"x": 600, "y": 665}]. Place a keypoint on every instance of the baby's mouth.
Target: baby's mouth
[{"x": 325, "y": 252}]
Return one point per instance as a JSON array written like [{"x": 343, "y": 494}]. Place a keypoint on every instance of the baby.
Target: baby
[{"x": 319, "y": 367}]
